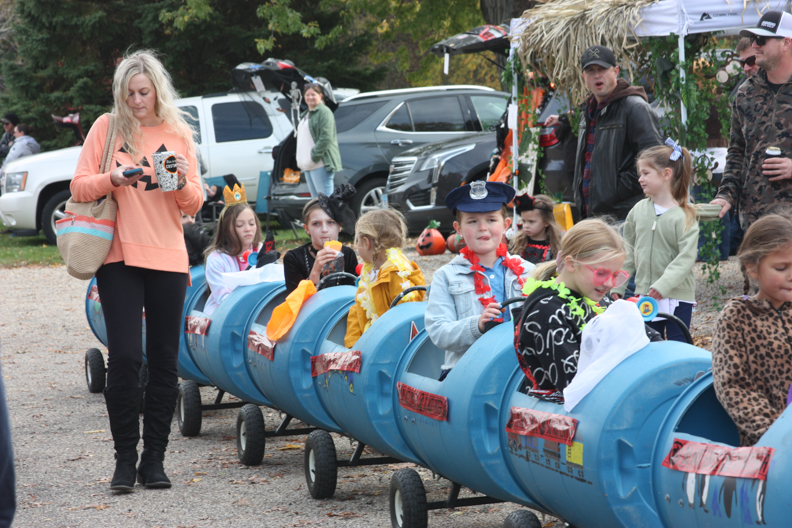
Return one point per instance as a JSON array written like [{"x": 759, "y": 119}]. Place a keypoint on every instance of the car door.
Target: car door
[
  {"x": 240, "y": 140},
  {"x": 423, "y": 120}
]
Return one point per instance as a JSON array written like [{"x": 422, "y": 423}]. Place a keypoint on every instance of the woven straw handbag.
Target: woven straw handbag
[{"x": 86, "y": 233}]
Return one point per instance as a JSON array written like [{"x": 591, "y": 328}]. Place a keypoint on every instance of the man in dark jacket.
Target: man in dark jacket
[
  {"x": 616, "y": 124},
  {"x": 10, "y": 121}
]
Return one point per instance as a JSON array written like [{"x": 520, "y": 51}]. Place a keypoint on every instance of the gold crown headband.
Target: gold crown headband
[{"x": 235, "y": 196}]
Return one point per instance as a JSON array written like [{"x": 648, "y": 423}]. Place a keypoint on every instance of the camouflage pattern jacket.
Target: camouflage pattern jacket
[{"x": 760, "y": 119}]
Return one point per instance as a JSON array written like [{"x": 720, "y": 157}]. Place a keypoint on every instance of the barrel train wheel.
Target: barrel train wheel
[
  {"x": 522, "y": 519},
  {"x": 188, "y": 408},
  {"x": 321, "y": 467},
  {"x": 251, "y": 441},
  {"x": 95, "y": 370},
  {"x": 408, "y": 500}
]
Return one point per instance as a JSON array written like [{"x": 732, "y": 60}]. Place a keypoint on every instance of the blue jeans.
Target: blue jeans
[{"x": 319, "y": 181}]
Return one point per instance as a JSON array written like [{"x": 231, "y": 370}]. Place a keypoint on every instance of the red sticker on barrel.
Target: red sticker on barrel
[
  {"x": 426, "y": 403},
  {"x": 261, "y": 344},
  {"x": 710, "y": 459},
  {"x": 348, "y": 361},
  {"x": 553, "y": 427},
  {"x": 197, "y": 325},
  {"x": 93, "y": 294}
]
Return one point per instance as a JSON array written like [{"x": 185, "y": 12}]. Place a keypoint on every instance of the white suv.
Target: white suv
[{"x": 236, "y": 133}]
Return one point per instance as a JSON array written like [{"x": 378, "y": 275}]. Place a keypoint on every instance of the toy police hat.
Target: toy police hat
[
  {"x": 479, "y": 197},
  {"x": 772, "y": 24}
]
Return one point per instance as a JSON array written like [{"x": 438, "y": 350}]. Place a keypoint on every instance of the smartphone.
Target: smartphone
[{"x": 132, "y": 172}]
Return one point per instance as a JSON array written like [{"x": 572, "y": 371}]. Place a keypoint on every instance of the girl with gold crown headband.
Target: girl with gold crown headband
[
  {"x": 380, "y": 235},
  {"x": 238, "y": 232}
]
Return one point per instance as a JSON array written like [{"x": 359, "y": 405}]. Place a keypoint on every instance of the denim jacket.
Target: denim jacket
[{"x": 453, "y": 311}]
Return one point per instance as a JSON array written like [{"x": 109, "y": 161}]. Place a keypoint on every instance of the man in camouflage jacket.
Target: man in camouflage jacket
[{"x": 761, "y": 118}]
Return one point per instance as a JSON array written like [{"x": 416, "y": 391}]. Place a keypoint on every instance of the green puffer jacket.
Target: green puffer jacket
[
  {"x": 321, "y": 123},
  {"x": 661, "y": 252},
  {"x": 760, "y": 119}
]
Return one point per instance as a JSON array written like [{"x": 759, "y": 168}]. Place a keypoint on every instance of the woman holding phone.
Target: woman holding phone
[{"x": 147, "y": 267}]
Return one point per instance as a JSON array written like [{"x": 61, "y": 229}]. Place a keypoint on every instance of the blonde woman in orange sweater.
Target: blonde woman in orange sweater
[{"x": 147, "y": 267}]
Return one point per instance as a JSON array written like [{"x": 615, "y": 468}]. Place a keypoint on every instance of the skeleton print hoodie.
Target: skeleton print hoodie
[{"x": 548, "y": 339}]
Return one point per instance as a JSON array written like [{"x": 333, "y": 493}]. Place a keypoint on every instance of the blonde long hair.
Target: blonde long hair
[
  {"x": 768, "y": 234},
  {"x": 659, "y": 158},
  {"x": 147, "y": 63},
  {"x": 590, "y": 241}
]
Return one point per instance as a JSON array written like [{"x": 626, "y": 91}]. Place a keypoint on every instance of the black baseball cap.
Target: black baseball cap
[
  {"x": 599, "y": 55},
  {"x": 772, "y": 24},
  {"x": 10, "y": 117}
]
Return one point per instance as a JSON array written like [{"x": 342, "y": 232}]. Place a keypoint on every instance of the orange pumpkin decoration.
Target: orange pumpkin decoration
[
  {"x": 455, "y": 242},
  {"x": 431, "y": 242}
]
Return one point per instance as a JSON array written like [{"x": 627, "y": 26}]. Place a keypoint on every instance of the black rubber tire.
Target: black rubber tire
[
  {"x": 53, "y": 208},
  {"x": 142, "y": 381},
  {"x": 251, "y": 441},
  {"x": 95, "y": 371},
  {"x": 321, "y": 466},
  {"x": 188, "y": 408},
  {"x": 408, "y": 500},
  {"x": 364, "y": 189},
  {"x": 522, "y": 519}
]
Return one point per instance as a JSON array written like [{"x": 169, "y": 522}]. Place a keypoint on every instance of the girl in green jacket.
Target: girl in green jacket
[{"x": 661, "y": 234}]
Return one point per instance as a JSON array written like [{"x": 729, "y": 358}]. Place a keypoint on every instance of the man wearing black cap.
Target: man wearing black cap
[
  {"x": 761, "y": 118},
  {"x": 617, "y": 123},
  {"x": 10, "y": 121}
]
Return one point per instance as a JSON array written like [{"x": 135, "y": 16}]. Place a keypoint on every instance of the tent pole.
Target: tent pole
[
  {"x": 682, "y": 109},
  {"x": 515, "y": 133}
]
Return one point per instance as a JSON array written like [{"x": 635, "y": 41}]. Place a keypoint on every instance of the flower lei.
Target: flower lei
[
  {"x": 368, "y": 276},
  {"x": 483, "y": 290},
  {"x": 531, "y": 285}
]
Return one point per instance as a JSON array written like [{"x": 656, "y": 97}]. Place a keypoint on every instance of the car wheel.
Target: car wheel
[
  {"x": 54, "y": 210},
  {"x": 369, "y": 196}
]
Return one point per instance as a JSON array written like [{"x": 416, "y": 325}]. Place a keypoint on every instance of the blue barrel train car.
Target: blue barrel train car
[{"x": 649, "y": 446}]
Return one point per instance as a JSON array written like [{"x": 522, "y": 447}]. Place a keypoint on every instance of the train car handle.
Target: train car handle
[
  {"x": 513, "y": 300},
  {"x": 336, "y": 275},
  {"x": 405, "y": 292},
  {"x": 682, "y": 326}
]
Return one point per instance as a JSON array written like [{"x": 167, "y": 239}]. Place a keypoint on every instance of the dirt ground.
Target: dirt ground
[{"x": 63, "y": 448}]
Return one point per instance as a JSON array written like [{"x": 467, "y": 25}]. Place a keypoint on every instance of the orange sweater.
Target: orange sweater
[{"x": 148, "y": 230}]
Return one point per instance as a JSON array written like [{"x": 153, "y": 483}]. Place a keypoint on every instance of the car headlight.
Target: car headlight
[
  {"x": 14, "y": 181},
  {"x": 441, "y": 157}
]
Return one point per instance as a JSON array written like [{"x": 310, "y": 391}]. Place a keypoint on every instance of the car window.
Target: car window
[
  {"x": 489, "y": 109},
  {"x": 239, "y": 121},
  {"x": 349, "y": 116},
  {"x": 400, "y": 120},
  {"x": 192, "y": 120},
  {"x": 438, "y": 114}
]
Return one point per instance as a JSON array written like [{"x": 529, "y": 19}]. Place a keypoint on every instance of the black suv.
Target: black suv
[
  {"x": 420, "y": 178},
  {"x": 374, "y": 127}
]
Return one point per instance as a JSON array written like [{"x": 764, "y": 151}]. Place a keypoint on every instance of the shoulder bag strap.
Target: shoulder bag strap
[{"x": 109, "y": 147}]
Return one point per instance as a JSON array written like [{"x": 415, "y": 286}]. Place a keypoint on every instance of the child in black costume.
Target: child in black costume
[{"x": 540, "y": 237}]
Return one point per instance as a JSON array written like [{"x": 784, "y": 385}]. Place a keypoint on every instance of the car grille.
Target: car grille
[
  {"x": 421, "y": 199},
  {"x": 399, "y": 170}
]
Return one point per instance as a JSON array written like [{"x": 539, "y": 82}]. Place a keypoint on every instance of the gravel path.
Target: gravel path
[{"x": 63, "y": 447}]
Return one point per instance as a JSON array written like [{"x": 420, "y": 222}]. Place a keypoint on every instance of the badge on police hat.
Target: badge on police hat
[{"x": 478, "y": 190}]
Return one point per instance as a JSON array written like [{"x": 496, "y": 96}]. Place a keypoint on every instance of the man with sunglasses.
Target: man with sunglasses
[
  {"x": 747, "y": 62},
  {"x": 761, "y": 118}
]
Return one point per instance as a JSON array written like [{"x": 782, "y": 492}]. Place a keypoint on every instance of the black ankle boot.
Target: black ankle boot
[
  {"x": 150, "y": 472},
  {"x": 124, "y": 474},
  {"x": 125, "y": 426}
]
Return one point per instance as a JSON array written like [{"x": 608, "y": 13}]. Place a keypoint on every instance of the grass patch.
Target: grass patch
[
  {"x": 27, "y": 251},
  {"x": 37, "y": 251}
]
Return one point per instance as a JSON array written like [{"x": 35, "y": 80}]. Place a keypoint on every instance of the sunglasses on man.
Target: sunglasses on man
[
  {"x": 750, "y": 61},
  {"x": 762, "y": 40}
]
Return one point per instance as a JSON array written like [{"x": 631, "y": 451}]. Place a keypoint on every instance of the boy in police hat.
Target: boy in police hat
[{"x": 466, "y": 293}]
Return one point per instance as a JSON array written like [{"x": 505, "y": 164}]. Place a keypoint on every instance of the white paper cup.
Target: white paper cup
[{"x": 166, "y": 171}]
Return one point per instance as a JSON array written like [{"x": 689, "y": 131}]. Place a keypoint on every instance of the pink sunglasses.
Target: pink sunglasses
[{"x": 602, "y": 275}]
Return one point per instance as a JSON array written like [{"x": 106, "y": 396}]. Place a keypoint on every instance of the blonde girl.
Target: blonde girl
[
  {"x": 751, "y": 359},
  {"x": 539, "y": 239},
  {"x": 238, "y": 231},
  {"x": 661, "y": 235},
  {"x": 380, "y": 237},
  {"x": 562, "y": 298}
]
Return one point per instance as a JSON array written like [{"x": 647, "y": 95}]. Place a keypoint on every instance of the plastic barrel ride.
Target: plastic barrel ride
[{"x": 283, "y": 373}]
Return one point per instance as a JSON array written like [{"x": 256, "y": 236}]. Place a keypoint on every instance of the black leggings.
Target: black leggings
[{"x": 124, "y": 292}]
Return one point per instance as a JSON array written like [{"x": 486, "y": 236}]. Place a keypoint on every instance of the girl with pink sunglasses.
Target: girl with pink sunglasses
[{"x": 562, "y": 297}]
